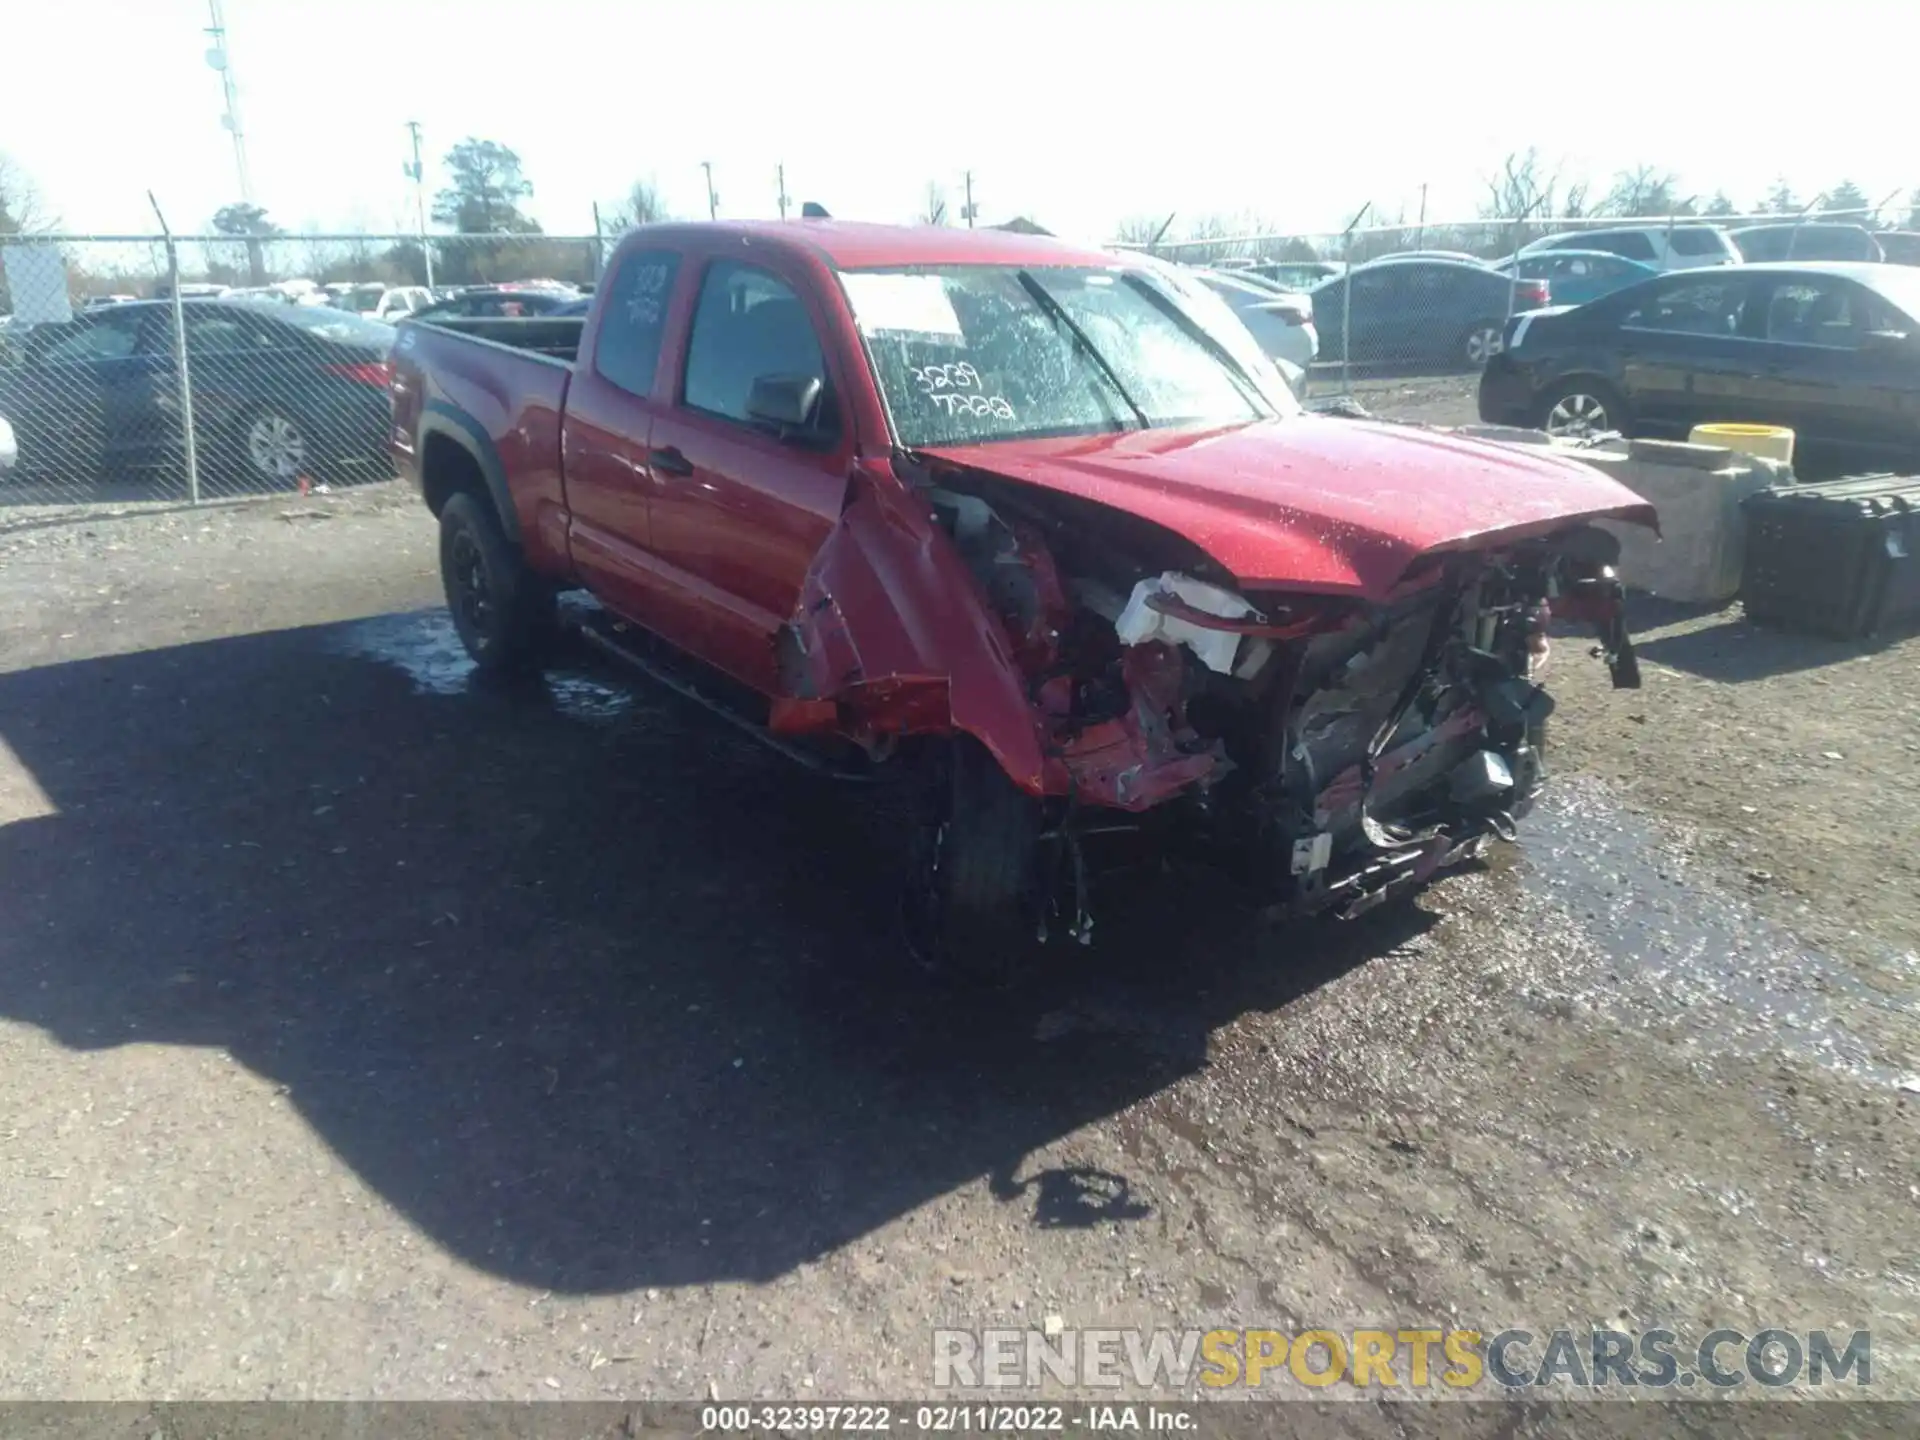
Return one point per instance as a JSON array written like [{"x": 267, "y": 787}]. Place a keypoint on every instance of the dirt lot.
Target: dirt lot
[{"x": 367, "y": 1032}]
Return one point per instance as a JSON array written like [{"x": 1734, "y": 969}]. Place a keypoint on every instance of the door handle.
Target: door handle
[{"x": 669, "y": 461}]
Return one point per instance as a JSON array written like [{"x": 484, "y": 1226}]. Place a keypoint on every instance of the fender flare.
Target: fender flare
[{"x": 461, "y": 429}]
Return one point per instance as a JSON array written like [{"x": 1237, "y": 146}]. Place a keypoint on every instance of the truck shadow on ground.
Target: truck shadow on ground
[{"x": 595, "y": 996}]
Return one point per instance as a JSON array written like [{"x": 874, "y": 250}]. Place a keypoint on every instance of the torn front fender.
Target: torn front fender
[{"x": 891, "y": 629}]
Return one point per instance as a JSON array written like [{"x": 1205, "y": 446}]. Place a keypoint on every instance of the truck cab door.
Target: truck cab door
[
  {"x": 740, "y": 507},
  {"x": 611, "y": 406}
]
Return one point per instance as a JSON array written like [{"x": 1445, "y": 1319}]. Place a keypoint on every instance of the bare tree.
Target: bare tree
[
  {"x": 1720, "y": 204},
  {"x": 22, "y": 212},
  {"x": 1521, "y": 189},
  {"x": 934, "y": 211},
  {"x": 1645, "y": 190},
  {"x": 1141, "y": 230},
  {"x": 641, "y": 205},
  {"x": 1208, "y": 228}
]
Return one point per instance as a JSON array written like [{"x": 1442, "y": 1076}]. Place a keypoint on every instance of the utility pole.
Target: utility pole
[
  {"x": 967, "y": 210},
  {"x": 1420, "y": 235},
  {"x": 218, "y": 58},
  {"x": 415, "y": 170},
  {"x": 780, "y": 173},
  {"x": 713, "y": 200}
]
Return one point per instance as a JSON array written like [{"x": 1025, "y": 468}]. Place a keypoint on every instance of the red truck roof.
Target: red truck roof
[{"x": 855, "y": 245}]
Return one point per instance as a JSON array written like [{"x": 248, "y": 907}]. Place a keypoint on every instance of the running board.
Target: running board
[{"x": 603, "y": 637}]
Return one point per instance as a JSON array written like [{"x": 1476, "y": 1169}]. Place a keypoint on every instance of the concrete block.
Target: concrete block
[{"x": 1697, "y": 490}]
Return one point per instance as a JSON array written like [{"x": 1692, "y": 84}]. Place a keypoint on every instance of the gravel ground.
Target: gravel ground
[
  {"x": 366, "y": 1032},
  {"x": 1427, "y": 399}
]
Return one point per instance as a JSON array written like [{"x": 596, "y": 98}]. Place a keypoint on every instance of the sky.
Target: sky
[{"x": 1078, "y": 115}]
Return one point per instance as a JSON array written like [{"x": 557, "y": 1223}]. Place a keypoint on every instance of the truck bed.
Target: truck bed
[
  {"x": 493, "y": 391},
  {"x": 556, "y": 336}
]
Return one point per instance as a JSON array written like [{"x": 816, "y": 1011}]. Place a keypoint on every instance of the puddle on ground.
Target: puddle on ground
[
  {"x": 426, "y": 646},
  {"x": 1678, "y": 946}
]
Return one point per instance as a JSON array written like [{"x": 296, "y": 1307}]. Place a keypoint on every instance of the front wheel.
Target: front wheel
[
  {"x": 974, "y": 896},
  {"x": 503, "y": 612}
]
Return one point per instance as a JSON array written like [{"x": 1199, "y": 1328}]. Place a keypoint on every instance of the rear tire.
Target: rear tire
[
  {"x": 274, "y": 448},
  {"x": 974, "y": 890},
  {"x": 1481, "y": 343},
  {"x": 503, "y": 612}
]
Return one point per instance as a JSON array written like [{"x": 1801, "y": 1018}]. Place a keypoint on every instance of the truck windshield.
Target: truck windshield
[{"x": 974, "y": 353}]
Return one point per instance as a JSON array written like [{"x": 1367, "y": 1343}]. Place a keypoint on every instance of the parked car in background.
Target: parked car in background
[
  {"x": 1280, "y": 322},
  {"x": 1664, "y": 247},
  {"x": 384, "y": 302},
  {"x": 1298, "y": 276},
  {"x": 1815, "y": 241},
  {"x": 478, "y": 301},
  {"x": 1008, "y": 518},
  {"x": 1830, "y": 350},
  {"x": 100, "y": 301},
  {"x": 190, "y": 290},
  {"x": 1900, "y": 247},
  {"x": 9, "y": 447},
  {"x": 1576, "y": 276},
  {"x": 1441, "y": 313},
  {"x": 278, "y": 390}
]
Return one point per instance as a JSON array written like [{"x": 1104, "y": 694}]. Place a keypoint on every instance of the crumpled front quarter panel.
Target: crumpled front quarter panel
[{"x": 892, "y": 627}]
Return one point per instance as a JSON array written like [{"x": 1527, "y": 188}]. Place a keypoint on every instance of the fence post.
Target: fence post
[
  {"x": 1346, "y": 306},
  {"x": 182, "y": 375},
  {"x": 1346, "y": 318}
]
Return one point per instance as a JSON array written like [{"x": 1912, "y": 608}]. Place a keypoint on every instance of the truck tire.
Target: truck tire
[
  {"x": 975, "y": 883},
  {"x": 503, "y": 612}
]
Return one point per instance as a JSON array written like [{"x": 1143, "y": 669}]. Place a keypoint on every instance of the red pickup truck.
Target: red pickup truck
[{"x": 1035, "y": 525}]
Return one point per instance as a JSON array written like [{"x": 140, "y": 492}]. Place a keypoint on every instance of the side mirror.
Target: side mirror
[{"x": 788, "y": 403}]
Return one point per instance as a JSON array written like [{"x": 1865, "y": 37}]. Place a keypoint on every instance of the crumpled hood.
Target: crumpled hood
[{"x": 1314, "y": 503}]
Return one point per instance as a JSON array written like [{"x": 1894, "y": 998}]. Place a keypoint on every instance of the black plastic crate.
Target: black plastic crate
[{"x": 1835, "y": 558}]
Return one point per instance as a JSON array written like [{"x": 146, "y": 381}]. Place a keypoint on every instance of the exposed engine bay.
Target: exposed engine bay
[{"x": 1328, "y": 751}]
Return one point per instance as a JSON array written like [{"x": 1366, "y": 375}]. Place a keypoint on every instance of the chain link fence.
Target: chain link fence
[{"x": 190, "y": 368}]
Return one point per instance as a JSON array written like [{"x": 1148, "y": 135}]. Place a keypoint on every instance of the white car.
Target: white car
[
  {"x": 1280, "y": 320},
  {"x": 1665, "y": 247},
  {"x": 1278, "y": 380},
  {"x": 9, "y": 448},
  {"x": 385, "y": 302}
]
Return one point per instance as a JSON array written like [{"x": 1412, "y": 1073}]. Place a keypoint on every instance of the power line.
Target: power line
[{"x": 418, "y": 173}]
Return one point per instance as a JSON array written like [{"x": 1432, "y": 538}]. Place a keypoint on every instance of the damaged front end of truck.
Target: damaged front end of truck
[{"x": 1108, "y": 686}]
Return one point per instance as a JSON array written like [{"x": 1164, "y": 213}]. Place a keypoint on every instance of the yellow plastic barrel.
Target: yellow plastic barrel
[{"x": 1769, "y": 442}]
